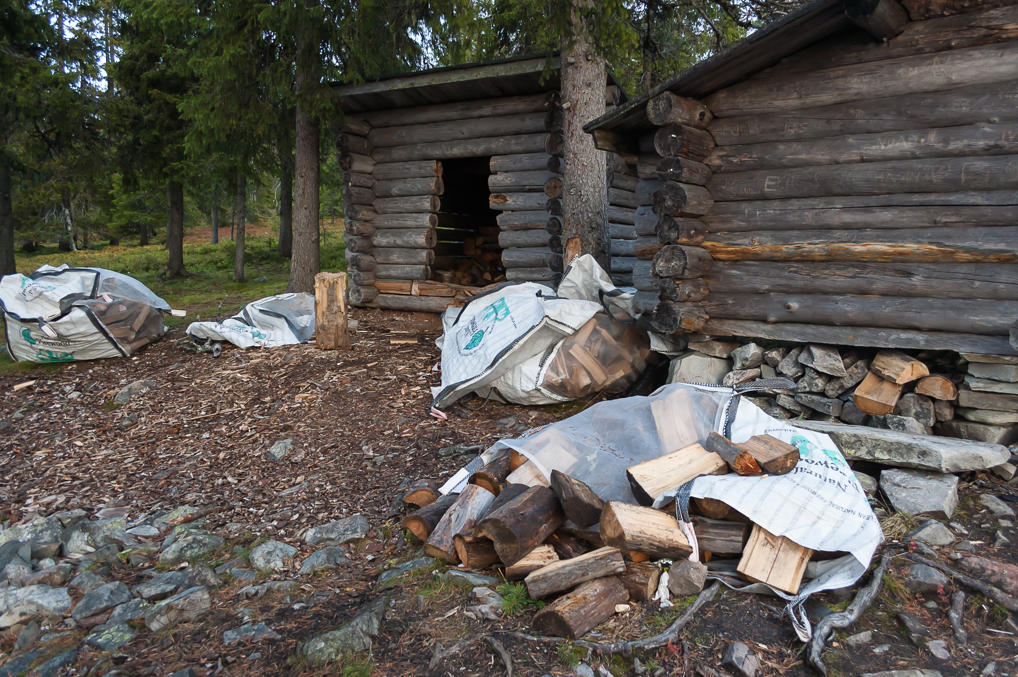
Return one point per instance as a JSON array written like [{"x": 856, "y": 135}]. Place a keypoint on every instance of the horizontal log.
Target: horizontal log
[
  {"x": 554, "y": 225},
  {"x": 757, "y": 216},
  {"x": 624, "y": 181},
  {"x": 618, "y": 214},
  {"x": 422, "y": 304},
  {"x": 681, "y": 199},
  {"x": 360, "y": 261},
  {"x": 685, "y": 291},
  {"x": 357, "y": 162},
  {"x": 358, "y": 179},
  {"x": 929, "y": 314},
  {"x": 622, "y": 264},
  {"x": 415, "y": 288},
  {"x": 409, "y": 220},
  {"x": 416, "y": 169},
  {"x": 518, "y": 201},
  {"x": 877, "y": 337},
  {"x": 521, "y": 181},
  {"x": 934, "y": 280},
  {"x": 426, "y": 185},
  {"x": 360, "y": 213},
  {"x": 407, "y": 205},
  {"x": 355, "y": 125},
  {"x": 523, "y": 220},
  {"x": 645, "y": 221},
  {"x": 352, "y": 143},
  {"x": 679, "y": 261},
  {"x": 404, "y": 255},
  {"x": 361, "y": 278},
  {"x": 525, "y": 162},
  {"x": 681, "y": 169},
  {"x": 623, "y": 198},
  {"x": 417, "y": 237},
  {"x": 903, "y": 75},
  {"x": 676, "y": 230},
  {"x": 644, "y": 278},
  {"x": 531, "y": 257},
  {"x": 927, "y": 245},
  {"x": 668, "y": 108},
  {"x": 678, "y": 141},
  {"x": 361, "y": 296},
  {"x": 554, "y": 143},
  {"x": 645, "y": 302},
  {"x": 391, "y": 271},
  {"x": 646, "y": 248},
  {"x": 871, "y": 178},
  {"x": 531, "y": 275},
  {"x": 617, "y": 144},
  {"x": 358, "y": 244},
  {"x": 459, "y": 110},
  {"x": 358, "y": 195},
  {"x": 360, "y": 228},
  {"x": 672, "y": 317},
  {"x": 524, "y": 238},
  {"x": 489, "y": 145},
  {"x": 622, "y": 279},
  {"x": 621, "y": 231},
  {"x": 457, "y": 130},
  {"x": 645, "y": 190},
  {"x": 622, "y": 248},
  {"x": 978, "y": 139}
]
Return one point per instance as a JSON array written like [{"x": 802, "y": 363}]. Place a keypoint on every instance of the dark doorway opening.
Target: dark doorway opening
[{"x": 467, "y": 252}]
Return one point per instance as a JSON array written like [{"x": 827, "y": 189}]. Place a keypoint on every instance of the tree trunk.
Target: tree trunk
[
  {"x": 583, "y": 82},
  {"x": 68, "y": 209},
  {"x": 175, "y": 230},
  {"x": 7, "y": 265},
  {"x": 286, "y": 196},
  {"x": 143, "y": 235},
  {"x": 305, "y": 263},
  {"x": 215, "y": 223},
  {"x": 238, "y": 242}
]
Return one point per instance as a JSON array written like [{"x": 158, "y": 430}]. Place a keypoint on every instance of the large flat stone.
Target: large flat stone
[
  {"x": 32, "y": 601},
  {"x": 997, "y": 372},
  {"x": 986, "y": 385},
  {"x": 979, "y": 432},
  {"x": 996, "y": 401},
  {"x": 988, "y": 416},
  {"x": 919, "y": 493},
  {"x": 352, "y": 637},
  {"x": 698, "y": 368},
  {"x": 905, "y": 450}
]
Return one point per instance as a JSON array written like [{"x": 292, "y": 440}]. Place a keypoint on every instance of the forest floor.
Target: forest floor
[{"x": 360, "y": 427}]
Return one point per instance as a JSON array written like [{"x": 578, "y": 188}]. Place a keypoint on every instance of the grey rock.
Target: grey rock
[
  {"x": 901, "y": 424},
  {"x": 686, "y": 578},
  {"x": 255, "y": 632},
  {"x": 996, "y": 372},
  {"x": 489, "y": 603},
  {"x": 338, "y": 532},
  {"x": 584, "y": 670},
  {"x": 867, "y": 482},
  {"x": 32, "y": 601},
  {"x": 917, "y": 492},
  {"x": 852, "y": 415},
  {"x": 853, "y": 377},
  {"x": 985, "y": 385},
  {"x": 996, "y": 506},
  {"x": 202, "y": 574},
  {"x": 14, "y": 550},
  {"x": 741, "y": 660},
  {"x": 932, "y": 532},
  {"x": 903, "y": 673},
  {"x": 943, "y": 410},
  {"x": 713, "y": 348},
  {"x": 989, "y": 669},
  {"x": 180, "y": 608},
  {"x": 162, "y": 586},
  {"x": 17, "y": 571},
  {"x": 409, "y": 565},
  {"x": 280, "y": 450},
  {"x": 790, "y": 366},
  {"x": 144, "y": 531},
  {"x": 825, "y": 359},
  {"x": 812, "y": 381},
  {"x": 265, "y": 588},
  {"x": 788, "y": 402},
  {"x": 164, "y": 520},
  {"x": 938, "y": 648},
  {"x": 186, "y": 672},
  {"x": 191, "y": 546},
  {"x": 55, "y": 575},
  {"x": 326, "y": 558},
  {"x": 925, "y": 579},
  {"x": 772, "y": 358},
  {"x": 132, "y": 390},
  {"x": 351, "y": 637},
  {"x": 926, "y": 452},
  {"x": 859, "y": 639},
  {"x": 98, "y": 600},
  {"x": 738, "y": 377},
  {"x": 244, "y": 575},
  {"x": 69, "y": 517},
  {"x": 110, "y": 637},
  {"x": 748, "y": 356},
  {"x": 27, "y": 636},
  {"x": 767, "y": 371},
  {"x": 20, "y": 665},
  {"x": 965, "y": 546},
  {"x": 824, "y": 405},
  {"x": 918, "y": 407},
  {"x": 988, "y": 416},
  {"x": 697, "y": 368},
  {"x": 55, "y": 665},
  {"x": 979, "y": 432},
  {"x": 769, "y": 407},
  {"x": 272, "y": 555},
  {"x": 916, "y": 631},
  {"x": 134, "y": 610},
  {"x": 86, "y": 581},
  {"x": 472, "y": 578}
]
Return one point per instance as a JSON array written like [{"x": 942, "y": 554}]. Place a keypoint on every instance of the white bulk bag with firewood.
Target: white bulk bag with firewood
[
  {"x": 280, "y": 320},
  {"x": 530, "y": 344},
  {"x": 62, "y": 314}
]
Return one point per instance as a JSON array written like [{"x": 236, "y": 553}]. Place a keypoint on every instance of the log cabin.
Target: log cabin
[
  {"x": 452, "y": 180},
  {"x": 847, "y": 175}
]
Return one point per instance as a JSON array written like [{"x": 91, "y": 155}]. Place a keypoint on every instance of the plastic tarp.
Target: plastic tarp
[
  {"x": 508, "y": 344},
  {"x": 280, "y": 320},
  {"x": 819, "y": 505},
  {"x": 62, "y": 314}
]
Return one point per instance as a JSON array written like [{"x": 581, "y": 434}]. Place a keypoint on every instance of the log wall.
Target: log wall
[{"x": 856, "y": 189}]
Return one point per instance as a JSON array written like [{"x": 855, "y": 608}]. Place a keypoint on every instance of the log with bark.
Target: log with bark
[
  {"x": 465, "y": 148},
  {"x": 677, "y": 230},
  {"x": 422, "y": 492},
  {"x": 678, "y": 140},
  {"x": 402, "y": 170},
  {"x": 525, "y": 162},
  {"x": 580, "y": 504},
  {"x": 404, "y": 255},
  {"x": 771, "y": 454},
  {"x": 417, "y": 304},
  {"x": 738, "y": 459},
  {"x": 640, "y": 579},
  {"x": 459, "y": 130},
  {"x": 460, "y": 517},
  {"x": 680, "y": 261},
  {"x": 392, "y": 271},
  {"x": 540, "y": 556},
  {"x": 681, "y": 199},
  {"x": 407, "y": 205},
  {"x": 460, "y": 110},
  {"x": 668, "y": 108},
  {"x": 421, "y": 522},
  {"x": 522, "y": 523},
  {"x": 362, "y": 296},
  {"x": 567, "y": 573},
  {"x": 576, "y": 613},
  {"x": 682, "y": 169},
  {"x": 631, "y": 527},
  {"x": 405, "y": 187}
]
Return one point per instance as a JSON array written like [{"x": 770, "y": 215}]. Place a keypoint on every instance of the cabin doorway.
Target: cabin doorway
[{"x": 467, "y": 252}]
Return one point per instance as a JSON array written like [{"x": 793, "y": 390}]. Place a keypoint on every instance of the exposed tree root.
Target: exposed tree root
[
  {"x": 996, "y": 594},
  {"x": 955, "y": 616}
]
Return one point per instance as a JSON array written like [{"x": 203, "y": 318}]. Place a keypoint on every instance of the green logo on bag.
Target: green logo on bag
[
  {"x": 27, "y": 335},
  {"x": 53, "y": 356}
]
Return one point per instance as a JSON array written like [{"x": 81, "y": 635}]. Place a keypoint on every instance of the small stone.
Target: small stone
[
  {"x": 917, "y": 492},
  {"x": 182, "y": 607},
  {"x": 900, "y": 673},
  {"x": 918, "y": 407},
  {"x": 353, "y": 637},
  {"x": 790, "y": 366},
  {"x": 410, "y": 565},
  {"x": 714, "y": 348},
  {"x": 56, "y": 664},
  {"x": 697, "y": 368},
  {"x": 812, "y": 381},
  {"x": 788, "y": 402},
  {"x": 748, "y": 356},
  {"x": 879, "y": 649},
  {"x": 979, "y": 432},
  {"x": 202, "y": 574},
  {"x": 996, "y": 372},
  {"x": 772, "y": 358},
  {"x": 132, "y": 390},
  {"x": 825, "y": 359},
  {"x": 741, "y": 660},
  {"x": 859, "y": 639},
  {"x": 938, "y": 648},
  {"x": 767, "y": 371},
  {"x": 14, "y": 550},
  {"x": 943, "y": 410},
  {"x": 824, "y": 405},
  {"x": 686, "y": 578},
  {"x": 27, "y": 636},
  {"x": 255, "y": 632},
  {"x": 867, "y": 482},
  {"x": 901, "y": 424},
  {"x": 738, "y": 377},
  {"x": 965, "y": 546},
  {"x": 1005, "y": 471},
  {"x": 17, "y": 571},
  {"x": 175, "y": 516},
  {"x": 932, "y": 532},
  {"x": 280, "y": 450},
  {"x": 103, "y": 598},
  {"x": 86, "y": 581},
  {"x": 996, "y": 506},
  {"x": 472, "y": 578},
  {"x": 622, "y": 608},
  {"x": 584, "y": 670},
  {"x": 162, "y": 586},
  {"x": 110, "y": 637},
  {"x": 853, "y": 377},
  {"x": 852, "y": 415},
  {"x": 186, "y": 672},
  {"x": 272, "y": 556},
  {"x": 925, "y": 579},
  {"x": 32, "y": 601},
  {"x": 133, "y": 610},
  {"x": 144, "y": 531},
  {"x": 917, "y": 632},
  {"x": 338, "y": 532},
  {"x": 192, "y": 546}
]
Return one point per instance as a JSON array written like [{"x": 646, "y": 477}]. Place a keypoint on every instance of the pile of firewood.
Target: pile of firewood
[
  {"x": 585, "y": 555},
  {"x": 604, "y": 355},
  {"x": 471, "y": 261},
  {"x": 133, "y": 324}
]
